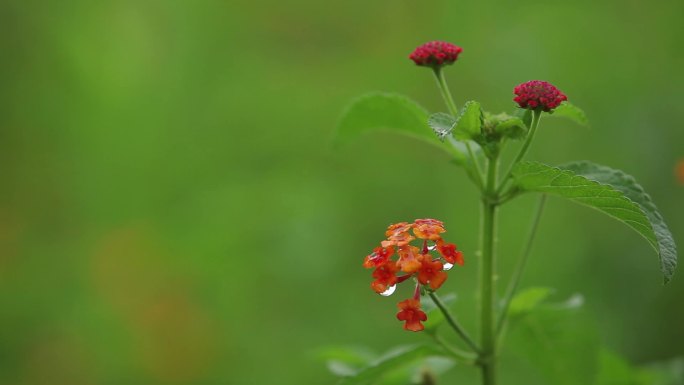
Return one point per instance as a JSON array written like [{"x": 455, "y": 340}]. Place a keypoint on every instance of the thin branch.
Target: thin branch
[
  {"x": 522, "y": 263},
  {"x": 536, "y": 116},
  {"x": 454, "y": 324}
]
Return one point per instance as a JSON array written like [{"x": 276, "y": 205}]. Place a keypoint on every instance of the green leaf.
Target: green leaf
[
  {"x": 395, "y": 359},
  {"x": 390, "y": 112},
  {"x": 525, "y": 115},
  {"x": 611, "y": 191},
  {"x": 615, "y": 370},
  {"x": 442, "y": 124},
  {"x": 559, "y": 342},
  {"x": 528, "y": 299},
  {"x": 663, "y": 242},
  {"x": 341, "y": 368},
  {"x": 572, "y": 112},
  {"x": 418, "y": 372},
  {"x": 345, "y": 360},
  {"x": 469, "y": 121},
  {"x": 665, "y": 373},
  {"x": 511, "y": 127}
]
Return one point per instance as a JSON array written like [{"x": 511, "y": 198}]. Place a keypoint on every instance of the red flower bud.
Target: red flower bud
[
  {"x": 435, "y": 54},
  {"x": 537, "y": 94}
]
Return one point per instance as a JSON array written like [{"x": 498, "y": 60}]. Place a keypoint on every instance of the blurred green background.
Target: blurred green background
[{"x": 172, "y": 212}]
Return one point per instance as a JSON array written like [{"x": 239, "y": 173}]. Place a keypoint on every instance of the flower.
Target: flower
[
  {"x": 430, "y": 272},
  {"x": 378, "y": 257},
  {"x": 398, "y": 234},
  {"x": 385, "y": 276},
  {"x": 449, "y": 253},
  {"x": 409, "y": 259},
  {"x": 537, "y": 94},
  {"x": 428, "y": 229},
  {"x": 435, "y": 54},
  {"x": 410, "y": 313}
]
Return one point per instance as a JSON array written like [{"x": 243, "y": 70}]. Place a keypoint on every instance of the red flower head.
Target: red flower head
[
  {"x": 411, "y": 313},
  {"x": 435, "y": 54},
  {"x": 412, "y": 262},
  {"x": 537, "y": 94}
]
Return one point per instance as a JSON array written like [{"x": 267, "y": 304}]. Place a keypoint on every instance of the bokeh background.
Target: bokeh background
[{"x": 172, "y": 212}]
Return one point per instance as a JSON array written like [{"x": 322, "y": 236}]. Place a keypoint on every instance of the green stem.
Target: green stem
[
  {"x": 520, "y": 267},
  {"x": 459, "y": 355},
  {"x": 446, "y": 93},
  {"x": 487, "y": 276},
  {"x": 451, "y": 106},
  {"x": 536, "y": 116},
  {"x": 454, "y": 324}
]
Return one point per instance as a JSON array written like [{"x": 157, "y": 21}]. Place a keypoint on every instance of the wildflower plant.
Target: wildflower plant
[{"x": 416, "y": 253}]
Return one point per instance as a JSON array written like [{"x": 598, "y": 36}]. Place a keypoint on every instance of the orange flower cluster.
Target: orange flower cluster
[{"x": 412, "y": 262}]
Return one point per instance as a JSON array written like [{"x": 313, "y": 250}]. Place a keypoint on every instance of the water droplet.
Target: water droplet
[
  {"x": 389, "y": 291},
  {"x": 447, "y": 266}
]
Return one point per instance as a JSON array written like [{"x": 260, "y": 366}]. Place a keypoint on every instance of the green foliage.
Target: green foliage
[
  {"x": 509, "y": 126},
  {"x": 564, "y": 346},
  {"x": 394, "y": 113},
  {"x": 525, "y": 115},
  {"x": 345, "y": 361},
  {"x": 527, "y": 300},
  {"x": 469, "y": 121},
  {"x": 669, "y": 372},
  {"x": 393, "y": 360},
  {"x": 442, "y": 124},
  {"x": 555, "y": 339},
  {"x": 664, "y": 244},
  {"x": 615, "y": 370},
  {"x": 466, "y": 126},
  {"x": 610, "y": 191},
  {"x": 572, "y": 112},
  {"x": 564, "y": 110}
]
